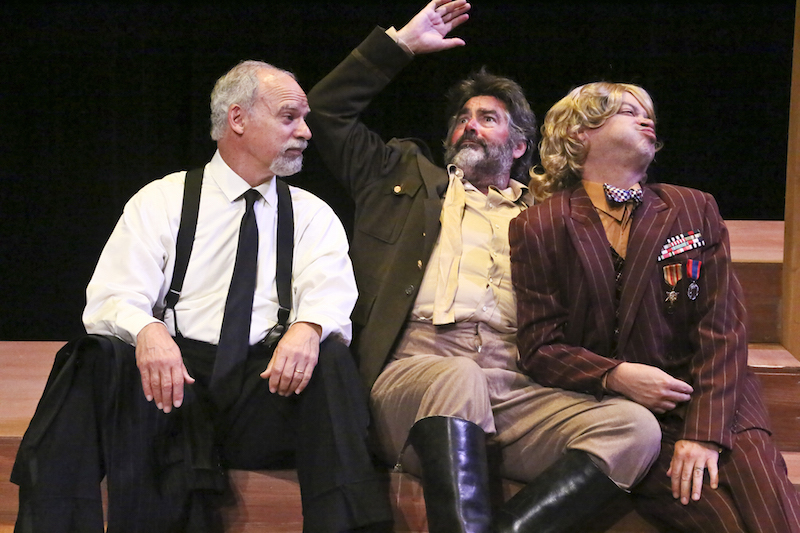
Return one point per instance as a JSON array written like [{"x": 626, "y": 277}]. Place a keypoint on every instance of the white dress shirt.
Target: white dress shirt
[{"x": 134, "y": 272}]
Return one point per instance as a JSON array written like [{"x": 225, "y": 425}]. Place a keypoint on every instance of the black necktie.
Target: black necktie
[{"x": 234, "y": 339}]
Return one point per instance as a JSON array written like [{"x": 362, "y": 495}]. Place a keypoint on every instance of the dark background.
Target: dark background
[{"x": 97, "y": 100}]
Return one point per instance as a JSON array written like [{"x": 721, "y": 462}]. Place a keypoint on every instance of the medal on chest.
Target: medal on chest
[
  {"x": 693, "y": 273},
  {"x": 672, "y": 275}
]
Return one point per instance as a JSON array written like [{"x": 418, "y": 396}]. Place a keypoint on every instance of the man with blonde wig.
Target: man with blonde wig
[
  {"x": 218, "y": 322},
  {"x": 625, "y": 289}
]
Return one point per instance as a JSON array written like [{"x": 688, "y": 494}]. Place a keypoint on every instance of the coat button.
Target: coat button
[
  {"x": 419, "y": 264},
  {"x": 397, "y": 189},
  {"x": 409, "y": 290}
]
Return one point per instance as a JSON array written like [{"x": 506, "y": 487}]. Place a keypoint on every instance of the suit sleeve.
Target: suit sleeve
[
  {"x": 539, "y": 270},
  {"x": 719, "y": 363},
  {"x": 352, "y": 152}
]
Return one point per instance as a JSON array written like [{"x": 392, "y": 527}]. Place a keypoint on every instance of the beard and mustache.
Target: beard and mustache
[
  {"x": 479, "y": 158},
  {"x": 285, "y": 164}
]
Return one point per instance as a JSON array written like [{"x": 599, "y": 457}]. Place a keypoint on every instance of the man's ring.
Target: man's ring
[
  {"x": 700, "y": 468},
  {"x": 298, "y": 371}
]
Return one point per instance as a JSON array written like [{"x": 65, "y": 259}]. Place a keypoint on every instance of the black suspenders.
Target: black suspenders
[{"x": 284, "y": 252}]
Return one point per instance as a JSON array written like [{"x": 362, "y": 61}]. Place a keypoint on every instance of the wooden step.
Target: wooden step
[
  {"x": 26, "y": 365},
  {"x": 779, "y": 373},
  {"x": 270, "y": 501},
  {"x": 757, "y": 254}
]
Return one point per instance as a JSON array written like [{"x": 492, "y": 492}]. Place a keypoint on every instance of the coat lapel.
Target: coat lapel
[
  {"x": 652, "y": 222},
  {"x": 591, "y": 244},
  {"x": 435, "y": 180}
]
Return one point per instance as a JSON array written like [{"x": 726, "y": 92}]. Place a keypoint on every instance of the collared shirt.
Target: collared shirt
[
  {"x": 134, "y": 272},
  {"x": 616, "y": 218},
  {"x": 483, "y": 290}
]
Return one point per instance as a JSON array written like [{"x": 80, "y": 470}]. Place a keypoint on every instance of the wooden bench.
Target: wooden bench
[{"x": 269, "y": 501}]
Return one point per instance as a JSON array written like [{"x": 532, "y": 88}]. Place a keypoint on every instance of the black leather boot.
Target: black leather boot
[
  {"x": 562, "y": 498},
  {"x": 455, "y": 476}
]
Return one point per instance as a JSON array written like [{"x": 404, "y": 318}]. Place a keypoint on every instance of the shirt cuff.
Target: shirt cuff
[{"x": 391, "y": 32}]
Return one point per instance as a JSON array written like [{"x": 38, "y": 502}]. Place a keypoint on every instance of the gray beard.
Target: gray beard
[
  {"x": 286, "y": 166},
  {"x": 481, "y": 164}
]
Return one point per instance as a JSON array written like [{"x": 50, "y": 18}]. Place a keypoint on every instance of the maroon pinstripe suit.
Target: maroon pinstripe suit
[{"x": 564, "y": 280}]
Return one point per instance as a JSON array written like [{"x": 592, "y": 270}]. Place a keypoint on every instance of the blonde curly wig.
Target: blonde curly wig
[{"x": 561, "y": 151}]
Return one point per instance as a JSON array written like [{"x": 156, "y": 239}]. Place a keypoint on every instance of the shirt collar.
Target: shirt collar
[
  {"x": 233, "y": 186},
  {"x": 515, "y": 193}
]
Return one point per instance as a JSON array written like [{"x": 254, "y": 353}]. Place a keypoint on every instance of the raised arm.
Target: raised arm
[{"x": 355, "y": 154}]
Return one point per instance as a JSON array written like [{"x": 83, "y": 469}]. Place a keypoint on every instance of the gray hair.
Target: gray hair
[{"x": 240, "y": 85}]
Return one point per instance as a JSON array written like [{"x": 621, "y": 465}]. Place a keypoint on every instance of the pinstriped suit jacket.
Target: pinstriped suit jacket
[{"x": 564, "y": 281}]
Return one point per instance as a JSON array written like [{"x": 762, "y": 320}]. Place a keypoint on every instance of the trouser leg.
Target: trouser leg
[
  {"x": 754, "y": 493},
  {"x": 574, "y": 453},
  {"x": 414, "y": 388},
  {"x": 715, "y": 511},
  {"x": 537, "y": 425},
  {"x": 760, "y": 485},
  {"x": 440, "y": 406},
  {"x": 325, "y": 427},
  {"x": 455, "y": 476}
]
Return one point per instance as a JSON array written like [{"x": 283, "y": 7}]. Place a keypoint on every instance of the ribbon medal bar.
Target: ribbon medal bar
[{"x": 681, "y": 243}]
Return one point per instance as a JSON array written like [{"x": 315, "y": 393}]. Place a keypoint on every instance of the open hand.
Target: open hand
[
  {"x": 294, "y": 359},
  {"x": 689, "y": 462},
  {"x": 427, "y": 31},
  {"x": 161, "y": 367}
]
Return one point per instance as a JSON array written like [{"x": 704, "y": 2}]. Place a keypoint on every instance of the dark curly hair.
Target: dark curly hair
[{"x": 521, "y": 123}]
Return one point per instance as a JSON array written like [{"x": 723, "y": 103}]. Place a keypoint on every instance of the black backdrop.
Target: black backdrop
[{"x": 98, "y": 99}]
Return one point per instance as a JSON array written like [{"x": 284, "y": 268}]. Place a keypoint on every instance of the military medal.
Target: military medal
[
  {"x": 693, "y": 273},
  {"x": 672, "y": 275}
]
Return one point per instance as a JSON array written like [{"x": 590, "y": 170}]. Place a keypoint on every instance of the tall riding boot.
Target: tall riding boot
[
  {"x": 455, "y": 475},
  {"x": 561, "y": 498}
]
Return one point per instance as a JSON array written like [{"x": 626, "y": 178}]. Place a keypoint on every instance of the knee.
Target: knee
[
  {"x": 626, "y": 440},
  {"x": 459, "y": 390},
  {"x": 333, "y": 354},
  {"x": 642, "y": 429}
]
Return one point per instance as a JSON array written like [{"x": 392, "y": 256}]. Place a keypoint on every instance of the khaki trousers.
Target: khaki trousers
[{"x": 468, "y": 370}]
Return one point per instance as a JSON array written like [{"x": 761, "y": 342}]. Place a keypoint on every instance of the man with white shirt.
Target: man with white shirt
[
  {"x": 217, "y": 386},
  {"x": 436, "y": 316}
]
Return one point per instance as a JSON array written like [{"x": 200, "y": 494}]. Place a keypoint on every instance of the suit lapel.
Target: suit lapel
[
  {"x": 591, "y": 244},
  {"x": 652, "y": 222}
]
